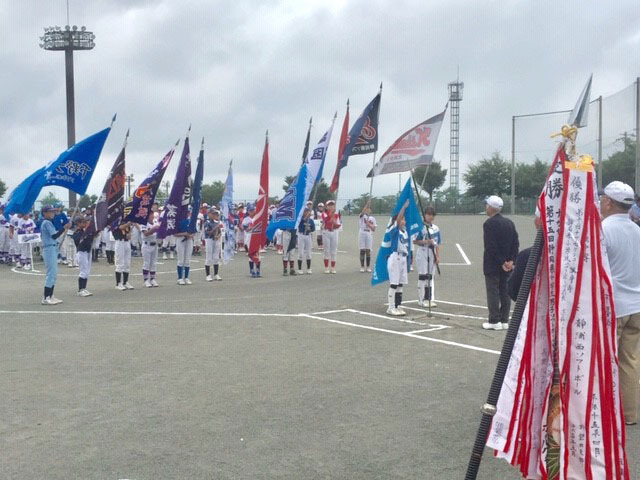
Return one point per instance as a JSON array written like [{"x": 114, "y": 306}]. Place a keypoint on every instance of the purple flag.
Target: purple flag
[
  {"x": 175, "y": 217},
  {"x": 137, "y": 210}
]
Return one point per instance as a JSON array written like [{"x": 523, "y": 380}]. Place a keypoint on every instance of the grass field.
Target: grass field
[{"x": 280, "y": 377}]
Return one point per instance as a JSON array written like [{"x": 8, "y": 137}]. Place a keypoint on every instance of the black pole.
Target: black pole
[
  {"x": 489, "y": 408},
  {"x": 71, "y": 110}
]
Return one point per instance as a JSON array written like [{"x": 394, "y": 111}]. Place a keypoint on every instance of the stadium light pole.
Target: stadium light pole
[{"x": 68, "y": 40}]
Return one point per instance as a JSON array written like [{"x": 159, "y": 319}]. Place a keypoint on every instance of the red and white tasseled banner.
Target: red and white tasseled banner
[{"x": 570, "y": 428}]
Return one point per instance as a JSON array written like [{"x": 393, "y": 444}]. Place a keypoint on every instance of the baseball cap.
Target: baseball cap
[
  {"x": 494, "y": 201},
  {"x": 321, "y": 204},
  {"x": 214, "y": 210},
  {"x": 47, "y": 208},
  {"x": 251, "y": 207},
  {"x": 620, "y": 192},
  {"x": 331, "y": 202}
]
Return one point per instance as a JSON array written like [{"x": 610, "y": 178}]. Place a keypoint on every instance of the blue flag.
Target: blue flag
[
  {"x": 72, "y": 169},
  {"x": 291, "y": 208},
  {"x": 414, "y": 225},
  {"x": 197, "y": 186},
  {"x": 363, "y": 136}
]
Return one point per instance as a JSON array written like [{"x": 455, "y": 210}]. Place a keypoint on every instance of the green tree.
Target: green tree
[
  {"x": 212, "y": 193},
  {"x": 530, "y": 178},
  {"x": 50, "y": 199},
  {"x": 3, "y": 188},
  {"x": 287, "y": 182},
  {"x": 434, "y": 179},
  {"x": 491, "y": 176},
  {"x": 621, "y": 165},
  {"x": 87, "y": 200}
]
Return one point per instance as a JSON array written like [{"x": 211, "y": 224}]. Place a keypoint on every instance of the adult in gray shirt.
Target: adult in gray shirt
[{"x": 622, "y": 240}]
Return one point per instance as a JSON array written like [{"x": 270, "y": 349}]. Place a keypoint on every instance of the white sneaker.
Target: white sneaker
[
  {"x": 154, "y": 283},
  {"x": 27, "y": 267},
  {"x": 217, "y": 277},
  {"x": 47, "y": 301},
  {"x": 309, "y": 272},
  {"x": 326, "y": 270},
  {"x": 399, "y": 312},
  {"x": 71, "y": 266},
  {"x": 84, "y": 293},
  {"x": 128, "y": 286},
  {"x": 492, "y": 326},
  {"x": 120, "y": 287},
  {"x": 421, "y": 302},
  {"x": 369, "y": 269},
  {"x": 164, "y": 256},
  {"x": 171, "y": 256},
  {"x": 209, "y": 278},
  {"x": 333, "y": 270},
  {"x": 505, "y": 326},
  {"x": 432, "y": 304},
  {"x": 55, "y": 300},
  {"x": 361, "y": 269},
  {"x": 181, "y": 281},
  {"x": 187, "y": 281},
  {"x": 300, "y": 272},
  {"x": 147, "y": 283},
  {"x": 18, "y": 265}
]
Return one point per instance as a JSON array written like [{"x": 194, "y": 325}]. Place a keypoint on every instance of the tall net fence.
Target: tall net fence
[{"x": 609, "y": 137}]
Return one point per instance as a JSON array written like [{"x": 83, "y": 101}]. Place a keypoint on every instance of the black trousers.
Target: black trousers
[{"x": 498, "y": 299}]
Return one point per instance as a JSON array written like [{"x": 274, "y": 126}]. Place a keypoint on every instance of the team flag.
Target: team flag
[
  {"x": 289, "y": 212},
  {"x": 414, "y": 148},
  {"x": 228, "y": 218},
  {"x": 110, "y": 206},
  {"x": 559, "y": 412},
  {"x": 197, "y": 186},
  {"x": 72, "y": 170},
  {"x": 137, "y": 210},
  {"x": 258, "y": 238},
  {"x": 414, "y": 226},
  {"x": 176, "y": 209},
  {"x": 362, "y": 138}
]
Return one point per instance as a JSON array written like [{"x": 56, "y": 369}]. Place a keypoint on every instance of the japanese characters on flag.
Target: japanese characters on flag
[
  {"x": 565, "y": 422},
  {"x": 413, "y": 148}
]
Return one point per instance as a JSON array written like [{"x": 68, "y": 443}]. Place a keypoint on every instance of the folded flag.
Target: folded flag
[
  {"x": 414, "y": 226},
  {"x": 228, "y": 218},
  {"x": 197, "y": 186}
]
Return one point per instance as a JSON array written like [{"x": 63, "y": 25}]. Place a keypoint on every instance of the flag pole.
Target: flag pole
[{"x": 374, "y": 153}]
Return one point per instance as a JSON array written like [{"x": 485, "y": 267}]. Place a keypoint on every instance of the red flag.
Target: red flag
[
  {"x": 261, "y": 217},
  {"x": 344, "y": 140}
]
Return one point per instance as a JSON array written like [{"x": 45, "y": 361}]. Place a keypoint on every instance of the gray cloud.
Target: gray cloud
[{"x": 234, "y": 69}]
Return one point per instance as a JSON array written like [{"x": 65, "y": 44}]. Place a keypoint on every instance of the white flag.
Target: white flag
[{"x": 414, "y": 148}]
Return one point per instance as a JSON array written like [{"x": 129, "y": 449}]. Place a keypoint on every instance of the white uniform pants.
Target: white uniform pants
[
  {"x": 330, "y": 244},
  {"x": 14, "y": 248},
  {"x": 71, "y": 250},
  {"x": 365, "y": 240},
  {"x": 304, "y": 247},
  {"x": 425, "y": 261},
  {"x": 25, "y": 253},
  {"x": 84, "y": 264},
  {"x": 123, "y": 256},
  {"x": 4, "y": 241},
  {"x": 184, "y": 249},
  {"x": 212, "y": 251},
  {"x": 149, "y": 256},
  {"x": 397, "y": 268},
  {"x": 287, "y": 237}
]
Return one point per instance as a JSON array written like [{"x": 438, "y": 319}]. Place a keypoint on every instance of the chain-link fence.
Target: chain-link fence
[{"x": 610, "y": 138}]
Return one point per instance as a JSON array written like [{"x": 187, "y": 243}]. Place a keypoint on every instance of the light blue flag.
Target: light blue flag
[
  {"x": 414, "y": 225},
  {"x": 72, "y": 170},
  {"x": 291, "y": 208},
  {"x": 228, "y": 218}
]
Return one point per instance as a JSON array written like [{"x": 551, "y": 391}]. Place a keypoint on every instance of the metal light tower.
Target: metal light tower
[
  {"x": 68, "y": 40},
  {"x": 455, "y": 97}
]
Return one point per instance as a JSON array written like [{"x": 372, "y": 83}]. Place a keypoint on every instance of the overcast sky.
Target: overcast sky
[{"x": 234, "y": 69}]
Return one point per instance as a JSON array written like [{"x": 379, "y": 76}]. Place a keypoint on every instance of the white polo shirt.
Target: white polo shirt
[{"x": 622, "y": 239}]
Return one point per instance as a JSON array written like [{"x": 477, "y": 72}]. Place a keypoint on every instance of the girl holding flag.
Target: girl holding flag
[{"x": 397, "y": 262}]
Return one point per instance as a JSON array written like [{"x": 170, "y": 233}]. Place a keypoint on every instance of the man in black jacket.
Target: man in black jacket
[{"x": 500, "y": 251}]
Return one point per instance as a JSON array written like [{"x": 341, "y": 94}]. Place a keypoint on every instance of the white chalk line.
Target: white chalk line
[
  {"x": 240, "y": 314},
  {"x": 464, "y": 255},
  {"x": 404, "y": 334},
  {"x": 385, "y": 317},
  {"x": 444, "y": 314},
  {"x": 450, "y": 303}
]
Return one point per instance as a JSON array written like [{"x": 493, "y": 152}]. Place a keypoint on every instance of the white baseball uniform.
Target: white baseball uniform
[{"x": 365, "y": 232}]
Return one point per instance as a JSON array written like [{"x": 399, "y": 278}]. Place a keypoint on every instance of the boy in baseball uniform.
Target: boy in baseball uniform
[
  {"x": 26, "y": 226},
  {"x": 149, "y": 250},
  {"x": 289, "y": 241},
  {"x": 331, "y": 222},
  {"x": 397, "y": 263},
  {"x": 121, "y": 234},
  {"x": 212, "y": 244},
  {"x": 14, "y": 248},
  {"x": 83, "y": 239},
  {"x": 184, "y": 250},
  {"x": 367, "y": 225},
  {"x": 305, "y": 229},
  {"x": 50, "y": 253},
  {"x": 427, "y": 257}
]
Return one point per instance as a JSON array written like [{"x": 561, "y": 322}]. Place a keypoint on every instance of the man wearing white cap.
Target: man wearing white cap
[
  {"x": 622, "y": 240},
  {"x": 500, "y": 251}
]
